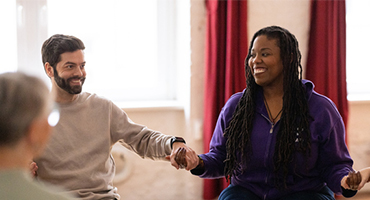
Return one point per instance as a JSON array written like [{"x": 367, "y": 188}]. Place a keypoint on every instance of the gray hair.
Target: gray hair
[{"x": 23, "y": 98}]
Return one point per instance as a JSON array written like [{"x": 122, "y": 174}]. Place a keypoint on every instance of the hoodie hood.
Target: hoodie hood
[{"x": 309, "y": 86}]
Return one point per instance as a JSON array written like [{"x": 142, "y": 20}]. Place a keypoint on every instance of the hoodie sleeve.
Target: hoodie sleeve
[
  {"x": 334, "y": 160},
  {"x": 214, "y": 159}
]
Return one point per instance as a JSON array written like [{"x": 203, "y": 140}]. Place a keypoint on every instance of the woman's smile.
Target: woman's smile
[{"x": 258, "y": 70}]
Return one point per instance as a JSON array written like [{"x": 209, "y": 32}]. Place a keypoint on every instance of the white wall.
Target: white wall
[
  {"x": 358, "y": 136},
  {"x": 290, "y": 14}
]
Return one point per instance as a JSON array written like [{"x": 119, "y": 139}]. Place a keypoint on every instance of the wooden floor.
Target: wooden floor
[{"x": 359, "y": 196}]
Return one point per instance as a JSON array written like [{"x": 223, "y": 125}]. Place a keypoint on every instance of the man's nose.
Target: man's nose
[{"x": 78, "y": 71}]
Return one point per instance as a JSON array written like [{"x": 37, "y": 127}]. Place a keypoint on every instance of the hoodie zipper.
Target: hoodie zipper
[
  {"x": 266, "y": 153},
  {"x": 272, "y": 124},
  {"x": 272, "y": 127}
]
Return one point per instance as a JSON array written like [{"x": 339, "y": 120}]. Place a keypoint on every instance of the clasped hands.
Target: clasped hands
[
  {"x": 183, "y": 157},
  {"x": 353, "y": 181}
]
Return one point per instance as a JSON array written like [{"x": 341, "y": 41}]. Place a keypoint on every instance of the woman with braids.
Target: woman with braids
[{"x": 278, "y": 139}]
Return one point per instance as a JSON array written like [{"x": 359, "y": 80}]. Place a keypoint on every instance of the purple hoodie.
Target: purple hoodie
[{"x": 328, "y": 164}]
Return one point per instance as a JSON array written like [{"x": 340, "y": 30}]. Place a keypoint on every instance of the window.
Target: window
[
  {"x": 8, "y": 39},
  {"x": 358, "y": 68},
  {"x": 131, "y": 46}
]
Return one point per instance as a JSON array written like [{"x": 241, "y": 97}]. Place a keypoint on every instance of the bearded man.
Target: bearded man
[{"x": 78, "y": 157}]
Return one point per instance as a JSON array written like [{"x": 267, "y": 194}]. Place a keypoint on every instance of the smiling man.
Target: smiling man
[
  {"x": 71, "y": 60},
  {"x": 72, "y": 67},
  {"x": 78, "y": 157}
]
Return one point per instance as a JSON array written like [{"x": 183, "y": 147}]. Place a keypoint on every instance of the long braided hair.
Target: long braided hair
[{"x": 294, "y": 119}]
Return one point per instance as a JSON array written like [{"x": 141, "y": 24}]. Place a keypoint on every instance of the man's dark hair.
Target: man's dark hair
[
  {"x": 57, "y": 45},
  {"x": 295, "y": 114}
]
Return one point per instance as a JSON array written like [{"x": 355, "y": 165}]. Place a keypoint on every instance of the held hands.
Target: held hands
[
  {"x": 357, "y": 180},
  {"x": 33, "y": 169},
  {"x": 180, "y": 158},
  {"x": 183, "y": 156},
  {"x": 352, "y": 180}
]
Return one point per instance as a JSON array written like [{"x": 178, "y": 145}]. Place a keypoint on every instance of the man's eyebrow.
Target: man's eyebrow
[
  {"x": 72, "y": 63},
  {"x": 69, "y": 63}
]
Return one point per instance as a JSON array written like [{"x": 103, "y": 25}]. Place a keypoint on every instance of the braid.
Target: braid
[
  {"x": 294, "y": 119},
  {"x": 238, "y": 131}
]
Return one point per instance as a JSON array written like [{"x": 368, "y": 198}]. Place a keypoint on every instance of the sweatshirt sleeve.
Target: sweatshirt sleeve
[{"x": 145, "y": 142}]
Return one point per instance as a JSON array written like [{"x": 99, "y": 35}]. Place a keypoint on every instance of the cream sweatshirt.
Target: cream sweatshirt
[{"x": 78, "y": 155}]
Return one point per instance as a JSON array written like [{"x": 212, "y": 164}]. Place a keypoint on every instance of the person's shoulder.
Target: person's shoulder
[
  {"x": 86, "y": 96},
  {"x": 232, "y": 102},
  {"x": 46, "y": 192},
  {"x": 318, "y": 102},
  {"x": 313, "y": 95},
  {"x": 234, "y": 99},
  {"x": 20, "y": 186},
  {"x": 49, "y": 191}
]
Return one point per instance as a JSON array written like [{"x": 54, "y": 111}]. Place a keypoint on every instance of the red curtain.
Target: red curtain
[
  {"x": 326, "y": 62},
  {"x": 226, "y": 48}
]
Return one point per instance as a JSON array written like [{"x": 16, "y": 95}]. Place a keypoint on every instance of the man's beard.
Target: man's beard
[{"x": 64, "y": 83}]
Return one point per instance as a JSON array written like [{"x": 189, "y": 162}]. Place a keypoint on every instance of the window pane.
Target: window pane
[
  {"x": 122, "y": 50},
  {"x": 8, "y": 38},
  {"x": 358, "y": 71}
]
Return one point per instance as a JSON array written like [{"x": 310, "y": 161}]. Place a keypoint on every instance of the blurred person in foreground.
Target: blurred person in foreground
[{"x": 25, "y": 125}]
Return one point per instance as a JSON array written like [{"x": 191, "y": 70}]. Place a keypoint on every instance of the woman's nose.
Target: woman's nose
[{"x": 256, "y": 59}]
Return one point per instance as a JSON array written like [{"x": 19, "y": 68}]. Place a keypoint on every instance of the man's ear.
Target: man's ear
[{"x": 49, "y": 70}]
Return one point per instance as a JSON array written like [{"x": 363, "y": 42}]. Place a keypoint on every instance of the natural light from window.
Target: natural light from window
[
  {"x": 136, "y": 51},
  {"x": 140, "y": 70},
  {"x": 358, "y": 69},
  {"x": 121, "y": 39},
  {"x": 8, "y": 38}
]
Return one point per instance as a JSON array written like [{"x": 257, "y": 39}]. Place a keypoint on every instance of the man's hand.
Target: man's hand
[
  {"x": 183, "y": 156},
  {"x": 365, "y": 175},
  {"x": 33, "y": 168},
  {"x": 180, "y": 158}
]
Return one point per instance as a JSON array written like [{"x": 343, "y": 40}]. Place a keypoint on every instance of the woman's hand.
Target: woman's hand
[
  {"x": 352, "y": 180},
  {"x": 183, "y": 156}
]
